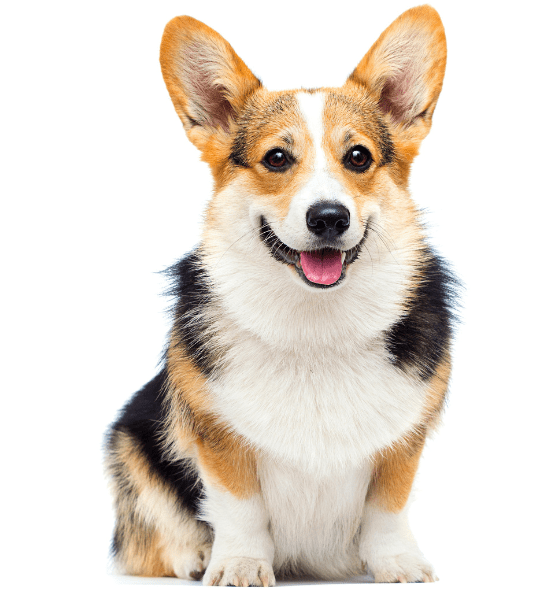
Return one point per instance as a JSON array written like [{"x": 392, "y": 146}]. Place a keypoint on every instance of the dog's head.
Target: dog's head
[{"x": 303, "y": 177}]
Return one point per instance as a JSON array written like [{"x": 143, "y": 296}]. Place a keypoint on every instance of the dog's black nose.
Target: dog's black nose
[{"x": 328, "y": 220}]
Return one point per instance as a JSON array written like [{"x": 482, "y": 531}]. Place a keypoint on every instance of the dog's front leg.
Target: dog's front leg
[
  {"x": 387, "y": 545},
  {"x": 243, "y": 549}
]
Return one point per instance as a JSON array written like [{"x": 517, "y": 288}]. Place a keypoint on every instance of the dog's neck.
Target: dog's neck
[{"x": 261, "y": 297}]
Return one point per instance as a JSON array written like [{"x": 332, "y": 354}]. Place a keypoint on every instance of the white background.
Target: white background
[{"x": 101, "y": 189}]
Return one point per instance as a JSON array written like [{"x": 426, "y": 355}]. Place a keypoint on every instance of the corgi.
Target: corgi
[{"x": 309, "y": 356}]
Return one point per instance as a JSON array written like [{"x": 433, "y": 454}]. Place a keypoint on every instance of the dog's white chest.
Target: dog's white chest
[{"x": 318, "y": 410}]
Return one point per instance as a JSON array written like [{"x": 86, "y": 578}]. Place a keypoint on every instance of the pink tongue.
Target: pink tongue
[{"x": 322, "y": 266}]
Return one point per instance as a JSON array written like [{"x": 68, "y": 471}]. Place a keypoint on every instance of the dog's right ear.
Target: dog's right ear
[{"x": 207, "y": 81}]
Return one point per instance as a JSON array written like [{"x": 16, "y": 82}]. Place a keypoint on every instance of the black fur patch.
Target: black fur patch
[
  {"x": 144, "y": 418},
  {"x": 237, "y": 158},
  {"x": 190, "y": 287},
  {"x": 116, "y": 543},
  {"x": 385, "y": 142},
  {"x": 420, "y": 339}
]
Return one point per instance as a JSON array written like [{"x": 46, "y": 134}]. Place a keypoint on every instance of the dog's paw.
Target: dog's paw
[
  {"x": 402, "y": 567},
  {"x": 239, "y": 571},
  {"x": 191, "y": 565}
]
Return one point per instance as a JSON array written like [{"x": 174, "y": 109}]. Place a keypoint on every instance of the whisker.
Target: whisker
[
  {"x": 382, "y": 232},
  {"x": 376, "y": 238},
  {"x": 377, "y": 231},
  {"x": 371, "y": 260}
]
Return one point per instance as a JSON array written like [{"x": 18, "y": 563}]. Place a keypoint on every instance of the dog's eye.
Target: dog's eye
[
  {"x": 276, "y": 160},
  {"x": 358, "y": 159}
]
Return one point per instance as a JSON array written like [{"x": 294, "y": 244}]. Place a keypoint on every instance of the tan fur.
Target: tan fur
[
  {"x": 142, "y": 552},
  {"x": 222, "y": 456},
  {"x": 436, "y": 394},
  {"x": 382, "y": 63},
  {"x": 352, "y": 114},
  {"x": 393, "y": 50},
  {"x": 394, "y": 472},
  {"x": 179, "y": 44},
  {"x": 350, "y": 119},
  {"x": 394, "y": 469},
  {"x": 272, "y": 120},
  {"x": 227, "y": 462}
]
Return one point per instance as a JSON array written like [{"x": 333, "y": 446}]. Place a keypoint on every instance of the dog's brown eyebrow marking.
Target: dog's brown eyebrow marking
[
  {"x": 367, "y": 115},
  {"x": 255, "y": 116},
  {"x": 287, "y": 139}
]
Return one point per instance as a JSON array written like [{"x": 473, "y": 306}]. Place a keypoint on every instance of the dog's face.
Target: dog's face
[{"x": 307, "y": 175}]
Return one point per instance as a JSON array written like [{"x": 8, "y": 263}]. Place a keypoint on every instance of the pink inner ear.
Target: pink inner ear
[
  {"x": 207, "y": 95},
  {"x": 397, "y": 97},
  {"x": 403, "y": 89}
]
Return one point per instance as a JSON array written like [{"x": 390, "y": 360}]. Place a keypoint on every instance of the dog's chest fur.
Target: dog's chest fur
[
  {"x": 316, "y": 420},
  {"x": 320, "y": 411}
]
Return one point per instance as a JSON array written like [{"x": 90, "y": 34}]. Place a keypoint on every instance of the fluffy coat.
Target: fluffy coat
[{"x": 310, "y": 350}]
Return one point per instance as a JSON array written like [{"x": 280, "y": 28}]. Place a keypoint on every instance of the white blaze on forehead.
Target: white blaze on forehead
[
  {"x": 321, "y": 184},
  {"x": 311, "y": 107}
]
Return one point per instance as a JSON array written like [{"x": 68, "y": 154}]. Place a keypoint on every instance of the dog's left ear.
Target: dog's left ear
[
  {"x": 404, "y": 69},
  {"x": 207, "y": 81}
]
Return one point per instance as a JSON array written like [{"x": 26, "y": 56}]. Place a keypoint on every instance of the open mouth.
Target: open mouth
[{"x": 322, "y": 268}]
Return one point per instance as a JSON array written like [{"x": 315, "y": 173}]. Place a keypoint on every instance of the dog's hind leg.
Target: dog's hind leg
[{"x": 155, "y": 534}]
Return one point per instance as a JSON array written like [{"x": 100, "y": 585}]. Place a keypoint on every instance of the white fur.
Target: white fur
[
  {"x": 322, "y": 409},
  {"x": 189, "y": 562},
  {"x": 240, "y": 525},
  {"x": 300, "y": 523},
  {"x": 243, "y": 547},
  {"x": 321, "y": 186},
  {"x": 389, "y": 548},
  {"x": 311, "y": 107},
  {"x": 306, "y": 377},
  {"x": 260, "y": 296},
  {"x": 314, "y": 520}
]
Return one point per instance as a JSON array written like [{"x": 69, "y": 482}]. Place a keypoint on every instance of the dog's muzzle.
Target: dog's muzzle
[{"x": 322, "y": 268}]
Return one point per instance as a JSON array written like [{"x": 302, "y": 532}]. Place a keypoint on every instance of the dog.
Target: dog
[{"x": 309, "y": 356}]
